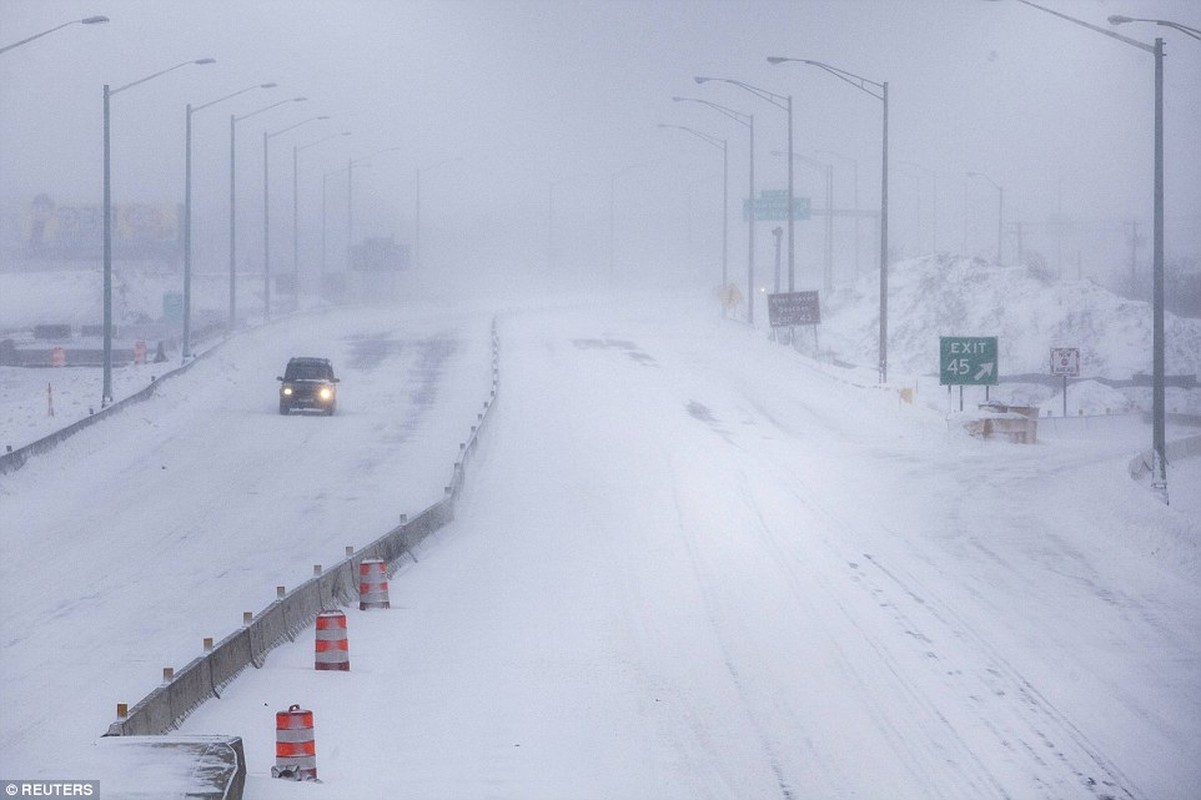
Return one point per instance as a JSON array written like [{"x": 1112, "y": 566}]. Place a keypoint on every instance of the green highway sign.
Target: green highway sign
[
  {"x": 772, "y": 204},
  {"x": 967, "y": 360}
]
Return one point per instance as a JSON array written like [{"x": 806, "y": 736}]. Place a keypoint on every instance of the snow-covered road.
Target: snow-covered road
[
  {"x": 688, "y": 563},
  {"x": 137, "y": 538},
  {"x": 691, "y": 564}
]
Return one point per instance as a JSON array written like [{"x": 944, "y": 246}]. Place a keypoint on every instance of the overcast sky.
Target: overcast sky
[{"x": 530, "y": 94}]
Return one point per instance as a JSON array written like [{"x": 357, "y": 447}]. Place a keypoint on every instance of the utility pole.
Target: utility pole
[{"x": 1135, "y": 241}]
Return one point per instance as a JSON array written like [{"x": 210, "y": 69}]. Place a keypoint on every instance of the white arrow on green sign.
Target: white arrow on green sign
[{"x": 967, "y": 360}]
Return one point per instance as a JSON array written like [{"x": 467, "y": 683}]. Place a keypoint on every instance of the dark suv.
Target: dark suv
[{"x": 308, "y": 383}]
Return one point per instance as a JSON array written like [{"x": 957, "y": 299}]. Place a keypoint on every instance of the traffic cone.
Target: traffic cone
[
  {"x": 333, "y": 649},
  {"x": 295, "y": 747},
  {"x": 373, "y": 584}
]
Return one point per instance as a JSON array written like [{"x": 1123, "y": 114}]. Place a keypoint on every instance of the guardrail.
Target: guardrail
[
  {"x": 10, "y": 462},
  {"x": 206, "y": 676}
]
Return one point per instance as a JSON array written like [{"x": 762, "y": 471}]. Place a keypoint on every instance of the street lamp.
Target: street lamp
[
  {"x": 296, "y": 209},
  {"x": 85, "y": 21},
  {"x": 854, "y": 197},
  {"x": 350, "y": 199},
  {"x": 417, "y": 222},
  {"x": 878, "y": 90},
  {"x": 187, "y": 216},
  {"x": 267, "y": 137},
  {"x": 1159, "y": 478},
  {"x": 1000, "y": 209},
  {"x": 1118, "y": 19},
  {"x": 324, "y": 188},
  {"x": 106, "y": 394},
  {"x": 613, "y": 176},
  {"x": 827, "y": 171},
  {"x": 720, "y": 144},
  {"x": 782, "y": 102},
  {"x": 233, "y": 204},
  {"x": 749, "y": 121}
]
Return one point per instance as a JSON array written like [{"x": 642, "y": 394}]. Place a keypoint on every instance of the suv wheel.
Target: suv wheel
[{"x": 283, "y": 409}]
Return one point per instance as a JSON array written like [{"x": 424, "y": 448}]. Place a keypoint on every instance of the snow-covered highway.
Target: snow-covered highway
[{"x": 688, "y": 563}]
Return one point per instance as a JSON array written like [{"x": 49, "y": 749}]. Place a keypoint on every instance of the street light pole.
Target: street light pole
[
  {"x": 749, "y": 121},
  {"x": 186, "y": 346},
  {"x": 324, "y": 192},
  {"x": 827, "y": 171},
  {"x": 99, "y": 19},
  {"x": 854, "y": 197},
  {"x": 720, "y": 144},
  {"x": 1159, "y": 477},
  {"x": 106, "y": 394},
  {"x": 1000, "y": 210},
  {"x": 350, "y": 199},
  {"x": 878, "y": 90},
  {"x": 267, "y": 137},
  {"x": 233, "y": 205},
  {"x": 782, "y": 102},
  {"x": 296, "y": 210}
]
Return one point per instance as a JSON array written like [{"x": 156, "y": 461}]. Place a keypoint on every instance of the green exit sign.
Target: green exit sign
[{"x": 967, "y": 360}]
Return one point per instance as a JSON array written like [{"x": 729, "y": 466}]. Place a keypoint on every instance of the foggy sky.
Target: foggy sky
[{"x": 530, "y": 94}]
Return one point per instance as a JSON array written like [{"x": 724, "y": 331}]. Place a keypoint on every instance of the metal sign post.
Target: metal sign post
[
  {"x": 1065, "y": 361},
  {"x": 772, "y": 204}
]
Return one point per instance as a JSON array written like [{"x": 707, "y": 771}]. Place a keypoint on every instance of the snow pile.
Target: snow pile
[{"x": 948, "y": 295}]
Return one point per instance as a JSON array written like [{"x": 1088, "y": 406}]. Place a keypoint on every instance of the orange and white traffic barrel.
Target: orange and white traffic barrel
[
  {"x": 373, "y": 584},
  {"x": 58, "y": 357},
  {"x": 295, "y": 747},
  {"x": 139, "y": 352},
  {"x": 333, "y": 650}
]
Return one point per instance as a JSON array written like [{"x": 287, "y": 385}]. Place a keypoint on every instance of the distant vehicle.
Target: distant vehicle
[{"x": 308, "y": 384}]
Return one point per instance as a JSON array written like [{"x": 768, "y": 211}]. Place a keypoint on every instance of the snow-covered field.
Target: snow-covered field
[{"x": 689, "y": 563}]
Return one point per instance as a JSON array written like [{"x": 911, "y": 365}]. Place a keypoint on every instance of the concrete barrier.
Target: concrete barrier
[
  {"x": 201, "y": 767},
  {"x": 206, "y": 676},
  {"x": 1190, "y": 447}
]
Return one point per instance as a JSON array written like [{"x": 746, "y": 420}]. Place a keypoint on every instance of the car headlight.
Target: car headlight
[
  {"x": 286, "y": 391},
  {"x": 326, "y": 393}
]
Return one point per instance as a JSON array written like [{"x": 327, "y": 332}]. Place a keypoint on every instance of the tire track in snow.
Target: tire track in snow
[
  {"x": 1000, "y": 675},
  {"x": 899, "y": 741},
  {"x": 704, "y": 585},
  {"x": 999, "y": 679}
]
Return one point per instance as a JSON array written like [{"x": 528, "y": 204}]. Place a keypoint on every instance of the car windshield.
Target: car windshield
[{"x": 308, "y": 372}]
